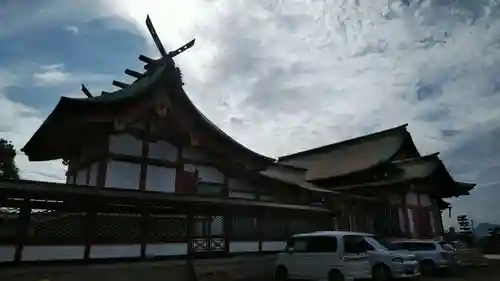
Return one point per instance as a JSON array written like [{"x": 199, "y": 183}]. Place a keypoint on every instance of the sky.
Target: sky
[{"x": 279, "y": 76}]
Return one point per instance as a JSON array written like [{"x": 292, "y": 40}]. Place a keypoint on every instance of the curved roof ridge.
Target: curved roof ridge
[
  {"x": 425, "y": 157},
  {"x": 337, "y": 145},
  {"x": 220, "y": 131}
]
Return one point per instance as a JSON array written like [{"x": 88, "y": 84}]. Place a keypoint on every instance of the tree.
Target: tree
[{"x": 8, "y": 168}]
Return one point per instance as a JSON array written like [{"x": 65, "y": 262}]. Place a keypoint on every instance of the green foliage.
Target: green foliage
[{"x": 8, "y": 168}]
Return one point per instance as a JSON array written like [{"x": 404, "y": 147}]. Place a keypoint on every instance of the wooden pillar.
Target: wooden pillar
[
  {"x": 228, "y": 229},
  {"x": 406, "y": 216},
  {"x": 22, "y": 228},
  {"x": 260, "y": 225},
  {"x": 145, "y": 154},
  {"x": 189, "y": 235},
  {"x": 90, "y": 222},
  {"x": 103, "y": 163},
  {"x": 225, "y": 190},
  {"x": 144, "y": 222}
]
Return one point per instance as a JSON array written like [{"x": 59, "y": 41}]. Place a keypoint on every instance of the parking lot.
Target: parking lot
[{"x": 484, "y": 273}]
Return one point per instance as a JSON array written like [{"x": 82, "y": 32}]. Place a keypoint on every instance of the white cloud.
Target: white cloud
[
  {"x": 326, "y": 71},
  {"x": 72, "y": 28},
  {"x": 55, "y": 75},
  {"x": 308, "y": 73},
  {"x": 17, "y": 123},
  {"x": 287, "y": 75}
]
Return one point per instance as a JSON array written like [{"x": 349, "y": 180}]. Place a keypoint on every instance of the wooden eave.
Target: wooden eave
[{"x": 77, "y": 193}]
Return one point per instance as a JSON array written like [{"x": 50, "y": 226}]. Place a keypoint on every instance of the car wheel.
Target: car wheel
[
  {"x": 381, "y": 272},
  {"x": 427, "y": 267},
  {"x": 335, "y": 275},
  {"x": 280, "y": 274}
]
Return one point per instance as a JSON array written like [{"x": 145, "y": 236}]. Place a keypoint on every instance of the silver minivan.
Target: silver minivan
[
  {"x": 387, "y": 262},
  {"x": 324, "y": 255}
]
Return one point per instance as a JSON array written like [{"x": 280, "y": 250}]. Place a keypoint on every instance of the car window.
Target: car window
[
  {"x": 298, "y": 244},
  {"x": 400, "y": 246},
  {"x": 446, "y": 246},
  {"x": 354, "y": 244},
  {"x": 322, "y": 244},
  {"x": 368, "y": 246},
  {"x": 422, "y": 246}
]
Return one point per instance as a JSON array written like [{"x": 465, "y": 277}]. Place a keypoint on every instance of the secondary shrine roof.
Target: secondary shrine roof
[
  {"x": 426, "y": 167},
  {"x": 349, "y": 156}
]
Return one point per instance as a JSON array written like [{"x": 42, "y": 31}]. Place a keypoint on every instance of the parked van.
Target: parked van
[
  {"x": 324, "y": 255},
  {"x": 387, "y": 262},
  {"x": 431, "y": 254}
]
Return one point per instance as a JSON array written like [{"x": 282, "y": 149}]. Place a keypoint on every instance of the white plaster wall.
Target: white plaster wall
[
  {"x": 425, "y": 201},
  {"x": 401, "y": 217},
  {"x": 162, "y": 150},
  {"x": 81, "y": 177},
  {"x": 166, "y": 249},
  {"x": 273, "y": 245},
  {"x": 42, "y": 253},
  {"x": 235, "y": 247},
  {"x": 125, "y": 144},
  {"x": 410, "y": 221},
  {"x": 411, "y": 199},
  {"x": 334, "y": 223},
  {"x": 94, "y": 171},
  {"x": 7, "y": 253},
  {"x": 242, "y": 195},
  {"x": 432, "y": 221},
  {"x": 160, "y": 179},
  {"x": 122, "y": 175},
  {"x": 193, "y": 154},
  {"x": 210, "y": 174},
  {"x": 114, "y": 251},
  {"x": 352, "y": 222}
]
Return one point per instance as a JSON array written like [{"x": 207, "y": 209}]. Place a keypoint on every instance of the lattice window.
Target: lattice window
[
  {"x": 116, "y": 228},
  {"x": 8, "y": 224},
  {"x": 217, "y": 226},
  {"x": 47, "y": 226},
  {"x": 166, "y": 227},
  {"x": 274, "y": 228},
  {"x": 244, "y": 228}
]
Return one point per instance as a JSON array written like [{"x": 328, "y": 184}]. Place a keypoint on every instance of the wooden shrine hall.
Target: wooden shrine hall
[{"x": 150, "y": 177}]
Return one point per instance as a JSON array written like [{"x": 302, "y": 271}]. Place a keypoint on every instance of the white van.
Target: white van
[
  {"x": 324, "y": 255},
  {"x": 431, "y": 254},
  {"x": 387, "y": 262}
]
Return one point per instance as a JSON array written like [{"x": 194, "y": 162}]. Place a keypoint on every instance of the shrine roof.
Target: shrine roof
[
  {"x": 349, "y": 156},
  {"x": 51, "y": 142},
  {"x": 419, "y": 169}
]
